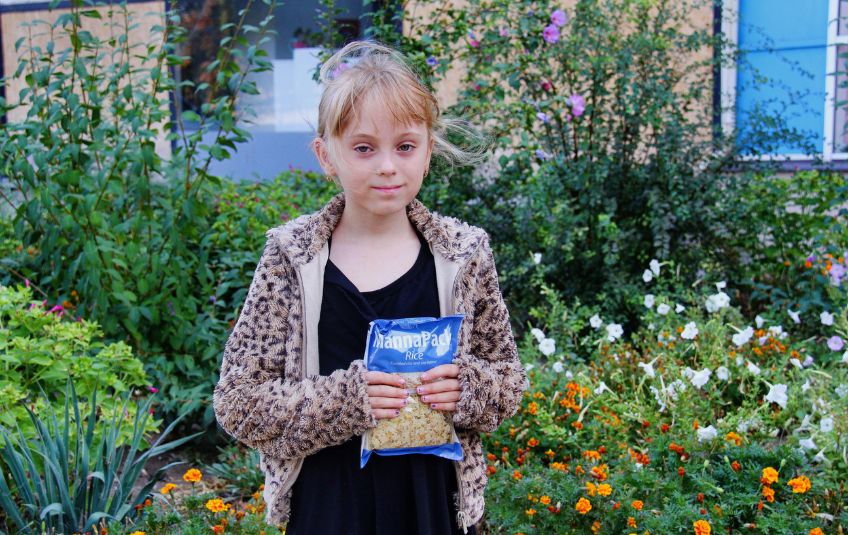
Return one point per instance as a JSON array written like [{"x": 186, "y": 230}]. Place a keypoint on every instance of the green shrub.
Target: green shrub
[{"x": 42, "y": 347}]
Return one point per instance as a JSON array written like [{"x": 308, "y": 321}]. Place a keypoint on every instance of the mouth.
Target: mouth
[{"x": 387, "y": 188}]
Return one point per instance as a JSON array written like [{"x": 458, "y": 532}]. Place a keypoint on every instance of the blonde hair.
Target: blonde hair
[{"x": 366, "y": 69}]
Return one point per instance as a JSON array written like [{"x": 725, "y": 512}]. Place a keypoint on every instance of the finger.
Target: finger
[
  {"x": 445, "y": 370},
  {"x": 384, "y": 414},
  {"x": 447, "y": 407},
  {"x": 445, "y": 385},
  {"x": 386, "y": 391},
  {"x": 383, "y": 378},
  {"x": 386, "y": 403},
  {"x": 444, "y": 397}
]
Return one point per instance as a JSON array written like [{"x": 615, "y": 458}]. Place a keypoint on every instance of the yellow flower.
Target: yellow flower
[
  {"x": 583, "y": 506},
  {"x": 192, "y": 475},
  {"x": 138, "y": 533},
  {"x": 168, "y": 488},
  {"x": 591, "y": 489},
  {"x": 545, "y": 500},
  {"x": 800, "y": 484},
  {"x": 702, "y": 527},
  {"x": 637, "y": 504},
  {"x": 733, "y": 437},
  {"x": 530, "y": 512},
  {"x": 217, "y": 505},
  {"x": 604, "y": 489},
  {"x": 769, "y": 476}
]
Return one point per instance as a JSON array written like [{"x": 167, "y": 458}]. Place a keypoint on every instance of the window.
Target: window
[
  {"x": 787, "y": 61},
  {"x": 286, "y": 108}
]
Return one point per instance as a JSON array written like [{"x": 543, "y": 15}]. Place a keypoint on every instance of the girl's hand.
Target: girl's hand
[
  {"x": 387, "y": 394},
  {"x": 441, "y": 389}
]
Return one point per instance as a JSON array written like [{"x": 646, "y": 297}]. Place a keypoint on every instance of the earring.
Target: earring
[{"x": 426, "y": 171}]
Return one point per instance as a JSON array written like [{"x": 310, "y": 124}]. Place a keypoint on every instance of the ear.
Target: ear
[
  {"x": 319, "y": 147},
  {"x": 430, "y": 150}
]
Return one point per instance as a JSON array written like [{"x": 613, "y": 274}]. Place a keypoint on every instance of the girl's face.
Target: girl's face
[{"x": 379, "y": 164}]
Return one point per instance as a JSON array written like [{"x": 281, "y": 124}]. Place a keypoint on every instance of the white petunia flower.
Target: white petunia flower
[
  {"x": 547, "y": 346},
  {"x": 723, "y": 373},
  {"x": 687, "y": 372},
  {"x": 651, "y": 326},
  {"x": 648, "y": 368},
  {"x": 777, "y": 394},
  {"x": 663, "y": 309},
  {"x": 537, "y": 258},
  {"x": 808, "y": 444},
  {"x": 778, "y": 332},
  {"x": 707, "y": 434},
  {"x": 558, "y": 367},
  {"x": 699, "y": 379},
  {"x": 596, "y": 322},
  {"x": 679, "y": 308},
  {"x": 806, "y": 386},
  {"x": 795, "y": 362},
  {"x": 538, "y": 334},
  {"x": 690, "y": 331},
  {"x": 845, "y": 358},
  {"x": 647, "y": 276},
  {"x": 819, "y": 458},
  {"x": 717, "y": 301},
  {"x": 655, "y": 267},
  {"x": 826, "y": 318},
  {"x": 826, "y": 425},
  {"x": 807, "y": 361},
  {"x": 721, "y": 285},
  {"x": 842, "y": 390},
  {"x": 614, "y": 332},
  {"x": 759, "y": 321},
  {"x": 528, "y": 366},
  {"x": 743, "y": 337},
  {"x": 739, "y": 360},
  {"x": 794, "y": 315},
  {"x": 753, "y": 368},
  {"x": 569, "y": 375},
  {"x": 601, "y": 387},
  {"x": 649, "y": 300}
]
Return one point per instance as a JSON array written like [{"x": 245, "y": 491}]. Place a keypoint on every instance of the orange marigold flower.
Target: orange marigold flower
[
  {"x": 700, "y": 497},
  {"x": 604, "y": 489},
  {"x": 760, "y": 505},
  {"x": 491, "y": 469},
  {"x": 550, "y": 453},
  {"x": 800, "y": 484},
  {"x": 532, "y": 443},
  {"x": 616, "y": 506},
  {"x": 816, "y": 531},
  {"x": 218, "y": 529},
  {"x": 637, "y": 504},
  {"x": 768, "y": 493},
  {"x": 600, "y": 472},
  {"x": 583, "y": 506},
  {"x": 769, "y": 476},
  {"x": 491, "y": 456},
  {"x": 516, "y": 475},
  {"x": 545, "y": 500},
  {"x": 736, "y": 466},
  {"x": 138, "y": 533},
  {"x": 167, "y": 488},
  {"x": 192, "y": 475},
  {"x": 533, "y": 407},
  {"x": 596, "y": 526},
  {"x": 664, "y": 428},
  {"x": 733, "y": 437},
  {"x": 579, "y": 470},
  {"x": 592, "y": 455},
  {"x": 591, "y": 488},
  {"x": 530, "y": 512},
  {"x": 577, "y": 425},
  {"x": 681, "y": 471},
  {"x": 631, "y": 522},
  {"x": 702, "y": 527},
  {"x": 217, "y": 505}
]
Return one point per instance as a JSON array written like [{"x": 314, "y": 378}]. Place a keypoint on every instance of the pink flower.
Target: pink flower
[
  {"x": 551, "y": 33},
  {"x": 835, "y": 343},
  {"x": 546, "y": 85},
  {"x": 57, "y": 308},
  {"x": 472, "y": 40},
  {"x": 504, "y": 31},
  {"x": 153, "y": 389},
  {"x": 26, "y": 282},
  {"x": 578, "y": 104},
  {"x": 559, "y": 17}
]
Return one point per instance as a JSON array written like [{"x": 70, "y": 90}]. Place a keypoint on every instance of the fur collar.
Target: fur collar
[{"x": 302, "y": 238}]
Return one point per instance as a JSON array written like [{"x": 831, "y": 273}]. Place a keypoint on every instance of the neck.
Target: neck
[{"x": 360, "y": 224}]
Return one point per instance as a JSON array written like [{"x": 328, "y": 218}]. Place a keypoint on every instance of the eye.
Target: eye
[
  {"x": 406, "y": 147},
  {"x": 362, "y": 149}
]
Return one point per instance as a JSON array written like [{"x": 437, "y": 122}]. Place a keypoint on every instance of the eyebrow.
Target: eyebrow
[{"x": 365, "y": 135}]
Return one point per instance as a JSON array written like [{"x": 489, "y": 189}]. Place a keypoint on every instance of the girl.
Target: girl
[{"x": 293, "y": 384}]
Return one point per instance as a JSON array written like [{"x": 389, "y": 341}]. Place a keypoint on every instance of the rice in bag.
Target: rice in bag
[{"x": 409, "y": 347}]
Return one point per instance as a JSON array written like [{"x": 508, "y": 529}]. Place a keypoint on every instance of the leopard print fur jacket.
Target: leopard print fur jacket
[{"x": 271, "y": 397}]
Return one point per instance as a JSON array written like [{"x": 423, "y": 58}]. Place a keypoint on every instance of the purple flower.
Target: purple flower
[
  {"x": 432, "y": 61},
  {"x": 153, "y": 389},
  {"x": 811, "y": 258},
  {"x": 530, "y": 12},
  {"x": 504, "y": 31},
  {"x": 837, "y": 272},
  {"x": 559, "y": 17},
  {"x": 542, "y": 155},
  {"x": 807, "y": 362},
  {"x": 472, "y": 40},
  {"x": 212, "y": 299},
  {"x": 551, "y": 33},
  {"x": 577, "y": 103},
  {"x": 835, "y": 343},
  {"x": 542, "y": 116}
]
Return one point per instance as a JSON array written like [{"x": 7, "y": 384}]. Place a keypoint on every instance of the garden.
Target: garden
[{"x": 680, "y": 305}]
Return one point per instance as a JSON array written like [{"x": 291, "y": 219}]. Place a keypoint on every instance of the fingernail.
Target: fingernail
[
  {"x": 397, "y": 413},
  {"x": 425, "y": 398},
  {"x": 402, "y": 382},
  {"x": 432, "y": 405},
  {"x": 419, "y": 389}
]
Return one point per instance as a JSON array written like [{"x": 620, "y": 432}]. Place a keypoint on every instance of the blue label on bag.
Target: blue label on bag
[{"x": 411, "y": 344}]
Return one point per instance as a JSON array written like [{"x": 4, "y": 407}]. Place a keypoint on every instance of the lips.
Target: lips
[{"x": 386, "y": 188}]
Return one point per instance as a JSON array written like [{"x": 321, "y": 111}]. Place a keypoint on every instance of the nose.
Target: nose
[{"x": 386, "y": 166}]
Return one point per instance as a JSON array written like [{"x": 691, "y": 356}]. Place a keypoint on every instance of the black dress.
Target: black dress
[{"x": 405, "y": 494}]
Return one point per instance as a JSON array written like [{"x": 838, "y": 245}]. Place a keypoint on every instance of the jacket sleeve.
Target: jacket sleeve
[
  {"x": 252, "y": 400},
  {"x": 490, "y": 374}
]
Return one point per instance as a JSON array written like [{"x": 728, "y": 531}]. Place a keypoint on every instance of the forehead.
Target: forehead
[{"x": 376, "y": 117}]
